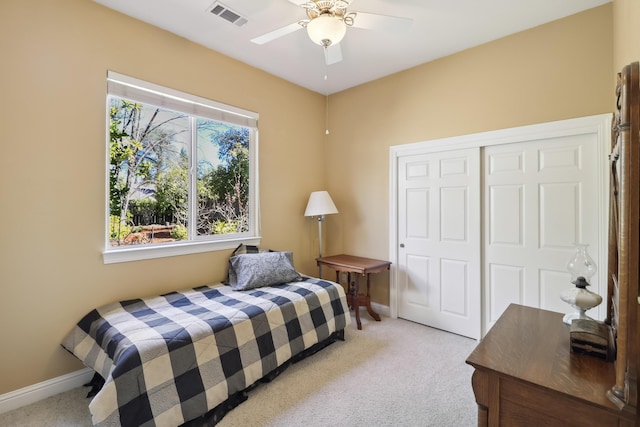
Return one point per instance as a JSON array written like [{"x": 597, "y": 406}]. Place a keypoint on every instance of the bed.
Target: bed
[{"x": 170, "y": 359}]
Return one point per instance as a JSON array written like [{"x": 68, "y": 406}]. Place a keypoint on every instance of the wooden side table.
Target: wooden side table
[{"x": 359, "y": 266}]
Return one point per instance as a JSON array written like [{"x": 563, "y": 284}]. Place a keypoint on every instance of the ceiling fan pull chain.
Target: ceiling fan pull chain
[
  {"x": 326, "y": 97},
  {"x": 326, "y": 130}
]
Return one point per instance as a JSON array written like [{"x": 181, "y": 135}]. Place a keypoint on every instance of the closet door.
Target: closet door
[
  {"x": 540, "y": 197},
  {"x": 439, "y": 240}
]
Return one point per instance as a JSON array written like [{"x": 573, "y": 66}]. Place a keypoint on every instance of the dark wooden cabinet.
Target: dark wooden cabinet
[{"x": 624, "y": 239}]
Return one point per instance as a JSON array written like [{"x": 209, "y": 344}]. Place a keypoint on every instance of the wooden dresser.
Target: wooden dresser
[{"x": 525, "y": 373}]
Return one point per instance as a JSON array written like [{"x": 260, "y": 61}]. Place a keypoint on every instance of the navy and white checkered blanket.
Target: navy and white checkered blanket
[{"x": 172, "y": 358}]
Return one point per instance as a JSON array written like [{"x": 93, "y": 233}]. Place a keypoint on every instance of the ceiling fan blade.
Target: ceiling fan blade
[
  {"x": 333, "y": 54},
  {"x": 372, "y": 21},
  {"x": 275, "y": 34}
]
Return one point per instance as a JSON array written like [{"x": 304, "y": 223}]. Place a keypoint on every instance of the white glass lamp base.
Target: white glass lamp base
[
  {"x": 578, "y": 314},
  {"x": 581, "y": 300}
]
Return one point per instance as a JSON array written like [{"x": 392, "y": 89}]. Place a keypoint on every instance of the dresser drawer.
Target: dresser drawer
[{"x": 522, "y": 404}]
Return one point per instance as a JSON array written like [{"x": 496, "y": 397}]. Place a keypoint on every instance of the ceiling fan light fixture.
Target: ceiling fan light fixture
[{"x": 326, "y": 30}]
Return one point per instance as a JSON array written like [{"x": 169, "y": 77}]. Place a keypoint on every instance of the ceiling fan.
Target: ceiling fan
[{"x": 327, "y": 24}]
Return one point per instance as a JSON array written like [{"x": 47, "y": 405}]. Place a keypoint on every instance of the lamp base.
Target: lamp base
[
  {"x": 581, "y": 300},
  {"x": 578, "y": 314},
  {"x": 320, "y": 219}
]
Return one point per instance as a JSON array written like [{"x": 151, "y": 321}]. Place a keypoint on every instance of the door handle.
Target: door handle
[{"x": 402, "y": 245}]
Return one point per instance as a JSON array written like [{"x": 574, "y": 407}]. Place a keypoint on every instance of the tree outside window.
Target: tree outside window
[{"x": 151, "y": 153}]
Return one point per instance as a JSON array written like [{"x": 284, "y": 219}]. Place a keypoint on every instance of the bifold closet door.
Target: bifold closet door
[
  {"x": 439, "y": 276},
  {"x": 540, "y": 197}
]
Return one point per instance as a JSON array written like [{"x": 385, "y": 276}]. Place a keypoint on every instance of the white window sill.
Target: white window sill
[{"x": 126, "y": 254}]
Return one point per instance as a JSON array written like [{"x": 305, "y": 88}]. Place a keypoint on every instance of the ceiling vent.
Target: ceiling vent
[{"x": 227, "y": 14}]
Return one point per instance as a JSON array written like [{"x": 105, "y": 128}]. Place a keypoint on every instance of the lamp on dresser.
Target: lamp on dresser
[
  {"x": 582, "y": 268},
  {"x": 319, "y": 205}
]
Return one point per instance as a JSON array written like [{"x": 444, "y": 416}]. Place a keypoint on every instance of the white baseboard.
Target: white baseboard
[
  {"x": 36, "y": 392},
  {"x": 382, "y": 310}
]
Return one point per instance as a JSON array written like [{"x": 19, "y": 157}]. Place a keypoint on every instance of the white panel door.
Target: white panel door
[
  {"x": 439, "y": 278},
  {"x": 539, "y": 199}
]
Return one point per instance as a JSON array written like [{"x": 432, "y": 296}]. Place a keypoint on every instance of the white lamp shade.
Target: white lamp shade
[
  {"x": 320, "y": 203},
  {"x": 326, "y": 30}
]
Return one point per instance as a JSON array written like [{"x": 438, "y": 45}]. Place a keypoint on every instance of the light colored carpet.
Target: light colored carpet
[{"x": 392, "y": 373}]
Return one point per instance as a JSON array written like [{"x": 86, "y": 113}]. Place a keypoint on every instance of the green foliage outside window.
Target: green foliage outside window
[{"x": 149, "y": 175}]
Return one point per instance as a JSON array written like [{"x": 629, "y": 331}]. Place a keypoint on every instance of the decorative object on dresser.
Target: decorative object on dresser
[
  {"x": 358, "y": 266},
  {"x": 525, "y": 371},
  {"x": 582, "y": 269},
  {"x": 592, "y": 338},
  {"x": 319, "y": 205}
]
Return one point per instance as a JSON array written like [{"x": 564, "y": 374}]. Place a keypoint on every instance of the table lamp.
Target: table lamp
[
  {"x": 582, "y": 268},
  {"x": 319, "y": 205}
]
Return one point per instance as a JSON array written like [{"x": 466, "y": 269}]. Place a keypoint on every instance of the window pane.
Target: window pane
[
  {"x": 222, "y": 178},
  {"x": 181, "y": 170},
  {"x": 148, "y": 171}
]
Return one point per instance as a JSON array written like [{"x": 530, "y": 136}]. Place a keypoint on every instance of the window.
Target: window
[{"x": 181, "y": 170}]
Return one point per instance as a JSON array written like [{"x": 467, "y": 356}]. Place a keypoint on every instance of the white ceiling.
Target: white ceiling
[{"x": 439, "y": 28}]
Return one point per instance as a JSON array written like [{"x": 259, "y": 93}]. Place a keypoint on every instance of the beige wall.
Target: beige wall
[
  {"x": 556, "y": 71},
  {"x": 55, "y": 56},
  {"x": 626, "y": 32},
  {"x": 52, "y": 121}
]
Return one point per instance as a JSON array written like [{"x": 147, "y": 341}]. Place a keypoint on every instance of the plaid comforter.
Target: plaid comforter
[{"x": 172, "y": 358}]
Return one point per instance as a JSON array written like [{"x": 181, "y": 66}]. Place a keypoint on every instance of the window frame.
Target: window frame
[{"x": 194, "y": 106}]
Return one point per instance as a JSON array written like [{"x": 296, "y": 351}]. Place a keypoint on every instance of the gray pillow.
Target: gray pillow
[
  {"x": 241, "y": 249},
  {"x": 262, "y": 269}
]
